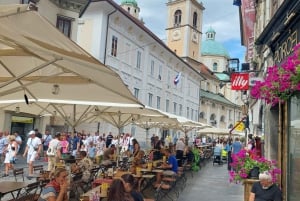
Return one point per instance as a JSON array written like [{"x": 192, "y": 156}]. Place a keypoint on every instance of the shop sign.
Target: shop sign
[
  {"x": 239, "y": 81},
  {"x": 25, "y": 120}
]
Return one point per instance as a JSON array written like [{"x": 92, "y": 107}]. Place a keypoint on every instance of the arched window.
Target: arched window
[
  {"x": 177, "y": 18},
  {"x": 195, "y": 16},
  {"x": 212, "y": 119},
  {"x": 202, "y": 115},
  {"x": 128, "y": 9},
  {"x": 222, "y": 119},
  {"x": 215, "y": 67}
]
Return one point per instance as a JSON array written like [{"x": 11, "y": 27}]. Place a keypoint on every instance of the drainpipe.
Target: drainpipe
[{"x": 108, "y": 17}]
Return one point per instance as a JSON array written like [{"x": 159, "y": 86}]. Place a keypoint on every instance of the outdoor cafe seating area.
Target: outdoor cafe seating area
[{"x": 101, "y": 177}]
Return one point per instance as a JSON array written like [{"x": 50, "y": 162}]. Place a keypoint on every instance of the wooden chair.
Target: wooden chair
[{"x": 17, "y": 172}]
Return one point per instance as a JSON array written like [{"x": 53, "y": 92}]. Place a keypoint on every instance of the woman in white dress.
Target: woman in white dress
[{"x": 10, "y": 155}]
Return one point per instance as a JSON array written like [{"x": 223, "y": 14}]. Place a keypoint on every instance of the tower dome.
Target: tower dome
[
  {"x": 129, "y": 2},
  {"x": 131, "y": 7},
  {"x": 212, "y": 47}
]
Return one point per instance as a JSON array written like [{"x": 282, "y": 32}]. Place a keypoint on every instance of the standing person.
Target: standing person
[
  {"x": 265, "y": 189},
  {"x": 157, "y": 147},
  {"x": 152, "y": 140},
  {"x": 3, "y": 144},
  {"x": 180, "y": 146},
  {"x": 54, "y": 152},
  {"x": 45, "y": 141},
  {"x": 18, "y": 140},
  {"x": 75, "y": 144},
  {"x": 57, "y": 188},
  {"x": 10, "y": 155},
  {"x": 117, "y": 192},
  {"x": 136, "y": 147},
  {"x": 228, "y": 148},
  {"x": 32, "y": 150},
  {"x": 64, "y": 146},
  {"x": 92, "y": 151},
  {"x": 109, "y": 138},
  {"x": 236, "y": 146},
  {"x": 130, "y": 143}
]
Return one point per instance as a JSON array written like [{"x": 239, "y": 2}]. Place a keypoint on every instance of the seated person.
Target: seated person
[
  {"x": 171, "y": 167},
  {"x": 57, "y": 188},
  {"x": 84, "y": 165},
  {"x": 108, "y": 155},
  {"x": 138, "y": 161}
]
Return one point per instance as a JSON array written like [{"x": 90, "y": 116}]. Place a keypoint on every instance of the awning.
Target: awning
[{"x": 38, "y": 64}]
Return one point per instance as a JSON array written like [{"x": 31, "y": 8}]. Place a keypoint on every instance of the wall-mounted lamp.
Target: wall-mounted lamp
[
  {"x": 17, "y": 110},
  {"x": 55, "y": 89}
]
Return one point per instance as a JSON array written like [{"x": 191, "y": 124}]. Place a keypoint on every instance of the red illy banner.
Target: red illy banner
[{"x": 239, "y": 81}]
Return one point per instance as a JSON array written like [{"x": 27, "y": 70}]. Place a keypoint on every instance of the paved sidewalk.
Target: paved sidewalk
[{"x": 211, "y": 183}]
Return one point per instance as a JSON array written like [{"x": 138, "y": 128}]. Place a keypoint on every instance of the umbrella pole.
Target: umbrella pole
[{"x": 147, "y": 138}]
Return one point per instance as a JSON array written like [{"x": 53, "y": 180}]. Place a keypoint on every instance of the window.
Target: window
[
  {"x": 223, "y": 108},
  {"x": 215, "y": 67},
  {"x": 159, "y": 72},
  {"x": 150, "y": 99},
  {"x": 195, "y": 16},
  {"x": 64, "y": 25},
  {"x": 207, "y": 86},
  {"x": 138, "y": 59},
  {"x": 174, "y": 108},
  {"x": 152, "y": 68},
  {"x": 180, "y": 110},
  {"x": 192, "y": 114},
  {"x": 177, "y": 18},
  {"x": 202, "y": 115},
  {"x": 158, "y": 102},
  {"x": 188, "y": 112},
  {"x": 128, "y": 9},
  {"x": 167, "y": 105},
  {"x": 230, "y": 114},
  {"x": 136, "y": 93},
  {"x": 222, "y": 119},
  {"x": 213, "y": 105},
  {"x": 114, "y": 46}
]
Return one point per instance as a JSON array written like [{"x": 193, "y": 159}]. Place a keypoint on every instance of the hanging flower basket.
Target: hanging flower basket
[
  {"x": 280, "y": 82},
  {"x": 247, "y": 165}
]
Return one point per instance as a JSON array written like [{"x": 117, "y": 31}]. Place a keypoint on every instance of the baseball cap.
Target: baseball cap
[{"x": 31, "y": 132}]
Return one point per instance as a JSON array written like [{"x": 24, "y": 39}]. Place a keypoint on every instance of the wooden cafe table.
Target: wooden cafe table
[{"x": 11, "y": 187}]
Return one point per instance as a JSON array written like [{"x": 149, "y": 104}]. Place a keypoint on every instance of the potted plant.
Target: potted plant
[
  {"x": 280, "y": 81},
  {"x": 245, "y": 161}
]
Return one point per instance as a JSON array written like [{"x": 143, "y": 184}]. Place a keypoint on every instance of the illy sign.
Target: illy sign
[{"x": 239, "y": 81}]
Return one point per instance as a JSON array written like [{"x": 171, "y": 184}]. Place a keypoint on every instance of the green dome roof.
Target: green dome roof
[
  {"x": 212, "y": 47},
  {"x": 133, "y": 2}
]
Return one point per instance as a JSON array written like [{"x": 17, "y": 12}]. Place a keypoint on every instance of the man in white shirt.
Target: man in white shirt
[
  {"x": 33, "y": 148},
  {"x": 54, "y": 152}
]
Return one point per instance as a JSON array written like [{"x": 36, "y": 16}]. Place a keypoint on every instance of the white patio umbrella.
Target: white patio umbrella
[{"x": 39, "y": 64}]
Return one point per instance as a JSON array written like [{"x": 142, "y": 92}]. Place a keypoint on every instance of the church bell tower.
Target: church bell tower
[{"x": 184, "y": 28}]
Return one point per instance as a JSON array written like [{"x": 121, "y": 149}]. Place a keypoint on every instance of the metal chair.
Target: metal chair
[
  {"x": 17, "y": 172},
  {"x": 39, "y": 168}
]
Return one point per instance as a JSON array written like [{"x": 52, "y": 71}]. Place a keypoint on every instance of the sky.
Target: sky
[{"x": 221, "y": 15}]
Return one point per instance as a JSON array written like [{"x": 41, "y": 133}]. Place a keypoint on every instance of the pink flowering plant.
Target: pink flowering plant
[
  {"x": 245, "y": 160},
  {"x": 281, "y": 81}
]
